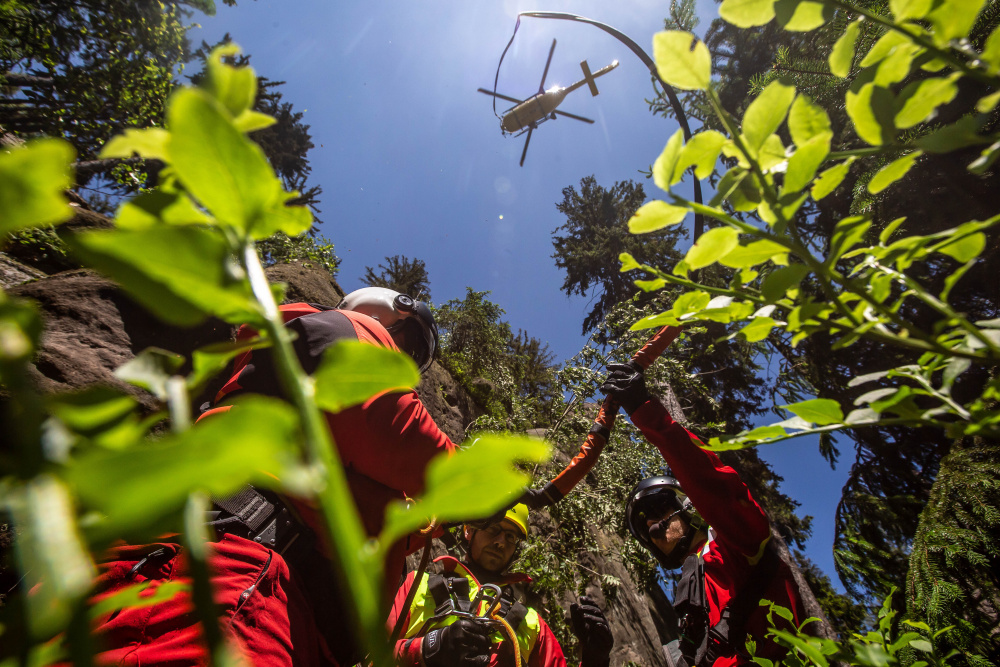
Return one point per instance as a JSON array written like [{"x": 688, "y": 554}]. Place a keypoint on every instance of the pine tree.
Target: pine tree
[
  {"x": 402, "y": 274},
  {"x": 587, "y": 245},
  {"x": 954, "y": 577}
]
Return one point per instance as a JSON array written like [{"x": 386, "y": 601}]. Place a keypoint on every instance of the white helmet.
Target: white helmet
[{"x": 409, "y": 322}]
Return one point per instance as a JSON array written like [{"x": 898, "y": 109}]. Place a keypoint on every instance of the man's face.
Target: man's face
[
  {"x": 666, "y": 531},
  {"x": 492, "y": 548}
]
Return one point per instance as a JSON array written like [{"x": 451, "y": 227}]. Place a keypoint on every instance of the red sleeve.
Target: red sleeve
[
  {"x": 406, "y": 651},
  {"x": 547, "y": 651},
  {"x": 716, "y": 490},
  {"x": 390, "y": 439}
]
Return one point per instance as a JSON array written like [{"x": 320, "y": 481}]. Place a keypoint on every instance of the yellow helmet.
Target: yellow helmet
[{"x": 518, "y": 514}]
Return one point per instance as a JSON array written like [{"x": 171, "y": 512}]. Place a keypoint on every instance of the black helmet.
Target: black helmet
[
  {"x": 655, "y": 497},
  {"x": 408, "y": 321}
]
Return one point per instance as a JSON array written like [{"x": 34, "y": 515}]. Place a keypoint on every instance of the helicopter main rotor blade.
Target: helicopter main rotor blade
[
  {"x": 502, "y": 97},
  {"x": 574, "y": 117},
  {"x": 541, "y": 86},
  {"x": 525, "y": 151}
]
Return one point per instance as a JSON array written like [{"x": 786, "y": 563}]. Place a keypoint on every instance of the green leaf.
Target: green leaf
[
  {"x": 758, "y": 329},
  {"x": 802, "y": 15},
  {"x": 181, "y": 274},
  {"x": 159, "y": 207},
  {"x": 149, "y": 143},
  {"x": 753, "y": 253},
  {"x": 804, "y": 162},
  {"x": 846, "y": 234},
  {"x": 90, "y": 412},
  {"x": 886, "y": 233},
  {"x": 772, "y": 155},
  {"x": 842, "y": 55},
  {"x": 650, "y": 285},
  {"x": 33, "y": 179},
  {"x": 747, "y": 13},
  {"x": 871, "y": 112},
  {"x": 922, "y": 99},
  {"x": 830, "y": 179},
  {"x": 779, "y": 281},
  {"x": 807, "y": 121},
  {"x": 988, "y": 103},
  {"x": 150, "y": 369},
  {"x": 133, "y": 488},
  {"x": 961, "y": 133},
  {"x": 136, "y": 596},
  {"x": 656, "y": 321},
  {"x": 666, "y": 163},
  {"x": 820, "y": 411},
  {"x": 353, "y": 372},
  {"x": 766, "y": 113},
  {"x": 234, "y": 87},
  {"x": 909, "y": 9},
  {"x": 56, "y": 566},
  {"x": 472, "y": 484},
  {"x": 712, "y": 245},
  {"x": 628, "y": 262},
  {"x": 251, "y": 121},
  {"x": 986, "y": 159},
  {"x": 223, "y": 169},
  {"x": 886, "y": 44},
  {"x": 964, "y": 248},
  {"x": 953, "y": 19},
  {"x": 897, "y": 65},
  {"x": 991, "y": 52},
  {"x": 892, "y": 172},
  {"x": 212, "y": 359},
  {"x": 702, "y": 152},
  {"x": 922, "y": 645},
  {"x": 690, "y": 302},
  {"x": 682, "y": 60},
  {"x": 654, "y": 216}
]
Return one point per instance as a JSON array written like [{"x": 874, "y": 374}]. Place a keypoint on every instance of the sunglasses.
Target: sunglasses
[
  {"x": 510, "y": 537},
  {"x": 655, "y": 508}
]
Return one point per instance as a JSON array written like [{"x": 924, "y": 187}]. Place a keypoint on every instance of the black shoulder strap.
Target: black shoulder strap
[
  {"x": 446, "y": 589},
  {"x": 727, "y": 636}
]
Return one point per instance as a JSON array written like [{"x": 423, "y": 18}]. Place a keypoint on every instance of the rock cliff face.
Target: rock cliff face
[{"x": 92, "y": 327}]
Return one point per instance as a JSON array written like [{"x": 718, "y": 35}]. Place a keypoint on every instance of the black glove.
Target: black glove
[
  {"x": 591, "y": 628},
  {"x": 465, "y": 642},
  {"x": 546, "y": 496},
  {"x": 627, "y": 385}
]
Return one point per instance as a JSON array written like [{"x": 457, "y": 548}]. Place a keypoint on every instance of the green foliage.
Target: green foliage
[
  {"x": 82, "y": 469},
  {"x": 509, "y": 375},
  {"x": 402, "y": 274},
  {"x": 876, "y": 298},
  {"x": 307, "y": 248},
  {"x": 889, "y": 644}
]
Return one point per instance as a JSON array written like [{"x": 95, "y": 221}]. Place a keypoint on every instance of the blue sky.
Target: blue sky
[{"x": 412, "y": 161}]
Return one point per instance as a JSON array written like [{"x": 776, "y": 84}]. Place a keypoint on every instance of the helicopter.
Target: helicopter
[{"x": 527, "y": 114}]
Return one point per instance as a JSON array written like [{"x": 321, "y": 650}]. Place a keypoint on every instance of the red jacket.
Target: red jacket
[
  {"x": 741, "y": 528},
  {"x": 546, "y": 652},
  {"x": 385, "y": 445}
]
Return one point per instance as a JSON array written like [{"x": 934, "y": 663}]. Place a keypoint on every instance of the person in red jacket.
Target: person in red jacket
[
  {"x": 271, "y": 581},
  {"x": 705, "y": 521},
  {"x": 443, "y": 623}
]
